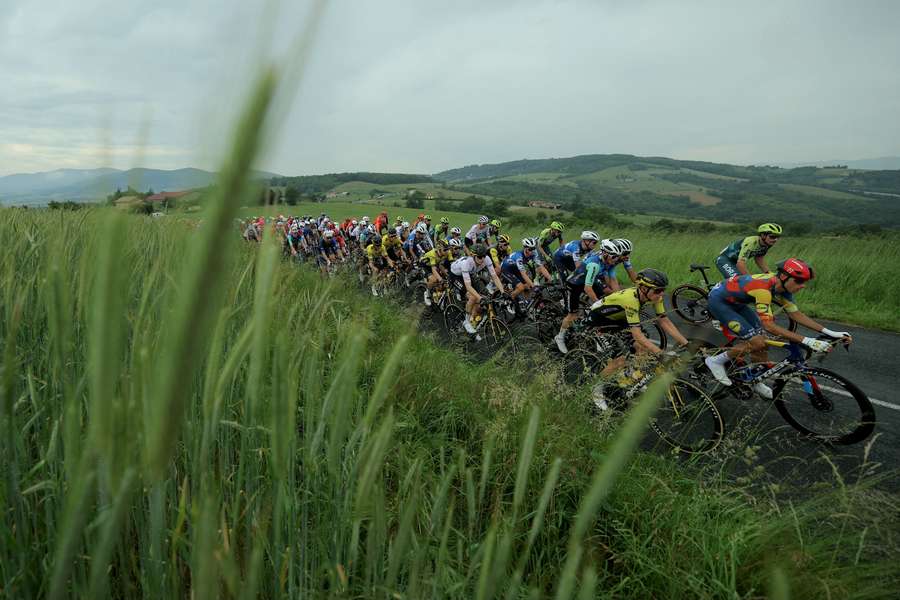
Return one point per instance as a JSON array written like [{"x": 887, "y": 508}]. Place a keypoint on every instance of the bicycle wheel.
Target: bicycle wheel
[
  {"x": 580, "y": 366},
  {"x": 688, "y": 419},
  {"x": 493, "y": 339},
  {"x": 690, "y": 302},
  {"x": 651, "y": 328},
  {"x": 824, "y": 405},
  {"x": 453, "y": 320}
]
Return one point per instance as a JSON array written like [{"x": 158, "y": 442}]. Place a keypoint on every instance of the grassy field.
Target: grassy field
[
  {"x": 187, "y": 416},
  {"x": 851, "y": 285}
]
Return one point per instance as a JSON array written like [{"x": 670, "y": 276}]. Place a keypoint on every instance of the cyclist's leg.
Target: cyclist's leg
[{"x": 726, "y": 267}]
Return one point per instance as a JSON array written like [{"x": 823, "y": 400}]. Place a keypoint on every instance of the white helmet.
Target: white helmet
[
  {"x": 371, "y": 229},
  {"x": 625, "y": 246},
  {"x": 456, "y": 243},
  {"x": 365, "y": 219},
  {"x": 530, "y": 243},
  {"x": 421, "y": 228},
  {"x": 483, "y": 220},
  {"x": 456, "y": 231},
  {"x": 590, "y": 235},
  {"x": 405, "y": 224},
  {"x": 353, "y": 222},
  {"x": 610, "y": 247}
]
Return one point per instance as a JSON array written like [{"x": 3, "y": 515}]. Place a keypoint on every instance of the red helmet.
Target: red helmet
[{"x": 796, "y": 268}]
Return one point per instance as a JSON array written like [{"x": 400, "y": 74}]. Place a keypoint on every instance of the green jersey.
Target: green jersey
[{"x": 744, "y": 249}]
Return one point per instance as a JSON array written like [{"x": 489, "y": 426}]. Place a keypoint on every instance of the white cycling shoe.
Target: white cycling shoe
[
  {"x": 467, "y": 325},
  {"x": 599, "y": 398},
  {"x": 718, "y": 371},
  {"x": 560, "y": 340},
  {"x": 427, "y": 298},
  {"x": 763, "y": 390}
]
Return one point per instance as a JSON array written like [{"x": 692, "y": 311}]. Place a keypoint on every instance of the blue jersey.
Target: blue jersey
[
  {"x": 328, "y": 246},
  {"x": 572, "y": 249},
  {"x": 517, "y": 262},
  {"x": 590, "y": 270}
]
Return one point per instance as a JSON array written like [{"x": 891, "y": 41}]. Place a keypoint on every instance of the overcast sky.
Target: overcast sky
[{"x": 422, "y": 86}]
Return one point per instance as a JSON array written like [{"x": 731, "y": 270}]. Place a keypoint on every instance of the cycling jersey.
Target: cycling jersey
[
  {"x": 477, "y": 234},
  {"x": 465, "y": 267},
  {"x": 328, "y": 246},
  {"x": 498, "y": 256},
  {"x": 573, "y": 249},
  {"x": 388, "y": 242},
  {"x": 621, "y": 308},
  {"x": 547, "y": 237},
  {"x": 431, "y": 259},
  {"x": 514, "y": 266},
  {"x": 590, "y": 269},
  {"x": 376, "y": 252},
  {"x": 744, "y": 249},
  {"x": 754, "y": 289}
]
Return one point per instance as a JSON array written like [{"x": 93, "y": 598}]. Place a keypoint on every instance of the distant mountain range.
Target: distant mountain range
[
  {"x": 82, "y": 185},
  {"x": 875, "y": 164}
]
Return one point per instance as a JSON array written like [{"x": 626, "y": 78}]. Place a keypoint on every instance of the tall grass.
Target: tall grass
[{"x": 182, "y": 416}]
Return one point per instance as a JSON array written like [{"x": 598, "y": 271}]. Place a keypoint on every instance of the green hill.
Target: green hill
[{"x": 822, "y": 198}]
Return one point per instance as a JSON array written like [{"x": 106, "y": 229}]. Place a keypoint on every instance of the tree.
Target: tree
[
  {"x": 291, "y": 195},
  {"x": 415, "y": 199}
]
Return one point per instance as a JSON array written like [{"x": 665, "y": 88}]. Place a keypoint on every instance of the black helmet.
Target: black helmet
[
  {"x": 479, "y": 250},
  {"x": 652, "y": 278}
]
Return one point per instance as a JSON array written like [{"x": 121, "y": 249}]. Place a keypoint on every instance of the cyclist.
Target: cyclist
[
  {"x": 379, "y": 261},
  {"x": 625, "y": 248},
  {"x": 499, "y": 251},
  {"x": 494, "y": 230},
  {"x": 567, "y": 258},
  {"x": 294, "y": 240},
  {"x": 456, "y": 234},
  {"x": 478, "y": 233},
  {"x": 461, "y": 275},
  {"x": 393, "y": 246},
  {"x": 595, "y": 276},
  {"x": 623, "y": 309},
  {"x": 433, "y": 262},
  {"x": 516, "y": 268},
  {"x": 442, "y": 231},
  {"x": 547, "y": 237},
  {"x": 733, "y": 258},
  {"x": 329, "y": 250},
  {"x": 730, "y": 302}
]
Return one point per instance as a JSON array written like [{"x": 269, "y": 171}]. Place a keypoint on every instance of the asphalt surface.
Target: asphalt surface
[{"x": 760, "y": 447}]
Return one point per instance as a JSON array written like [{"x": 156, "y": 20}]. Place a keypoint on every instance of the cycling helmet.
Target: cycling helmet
[
  {"x": 421, "y": 228},
  {"x": 456, "y": 231},
  {"x": 529, "y": 243},
  {"x": 376, "y": 240},
  {"x": 796, "y": 268},
  {"x": 483, "y": 220},
  {"x": 295, "y": 228},
  {"x": 445, "y": 221},
  {"x": 392, "y": 232},
  {"x": 353, "y": 222},
  {"x": 503, "y": 239},
  {"x": 556, "y": 225},
  {"x": 455, "y": 243},
  {"x": 496, "y": 223},
  {"x": 405, "y": 224},
  {"x": 371, "y": 230},
  {"x": 399, "y": 220},
  {"x": 479, "y": 250},
  {"x": 427, "y": 217},
  {"x": 365, "y": 219},
  {"x": 610, "y": 247},
  {"x": 625, "y": 246},
  {"x": 590, "y": 235},
  {"x": 653, "y": 279},
  {"x": 773, "y": 228},
  {"x": 442, "y": 244}
]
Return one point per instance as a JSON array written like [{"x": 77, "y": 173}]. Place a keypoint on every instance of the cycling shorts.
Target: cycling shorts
[
  {"x": 512, "y": 276},
  {"x": 741, "y": 319}
]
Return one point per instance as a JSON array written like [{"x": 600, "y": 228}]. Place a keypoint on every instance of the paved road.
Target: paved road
[{"x": 779, "y": 455}]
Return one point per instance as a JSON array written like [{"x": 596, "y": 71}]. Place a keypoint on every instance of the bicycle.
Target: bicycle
[
  {"x": 491, "y": 332},
  {"x": 815, "y": 401},
  {"x": 691, "y": 302}
]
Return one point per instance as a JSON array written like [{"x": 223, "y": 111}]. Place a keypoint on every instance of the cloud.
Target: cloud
[{"x": 423, "y": 86}]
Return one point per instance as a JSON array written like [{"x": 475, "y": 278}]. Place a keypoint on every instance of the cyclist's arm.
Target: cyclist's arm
[
  {"x": 496, "y": 278},
  {"x": 749, "y": 244},
  {"x": 523, "y": 270},
  {"x": 669, "y": 327},
  {"x": 763, "y": 299},
  {"x": 642, "y": 341},
  {"x": 467, "y": 281},
  {"x": 593, "y": 269},
  {"x": 761, "y": 263}
]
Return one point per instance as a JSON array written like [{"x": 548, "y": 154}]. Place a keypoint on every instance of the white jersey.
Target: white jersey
[
  {"x": 465, "y": 267},
  {"x": 475, "y": 230}
]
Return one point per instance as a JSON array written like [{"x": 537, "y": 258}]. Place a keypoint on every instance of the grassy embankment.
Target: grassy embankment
[
  {"x": 858, "y": 278},
  {"x": 174, "y": 426}
]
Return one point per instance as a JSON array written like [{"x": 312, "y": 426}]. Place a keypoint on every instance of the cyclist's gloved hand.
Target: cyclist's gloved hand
[
  {"x": 817, "y": 345},
  {"x": 835, "y": 334}
]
